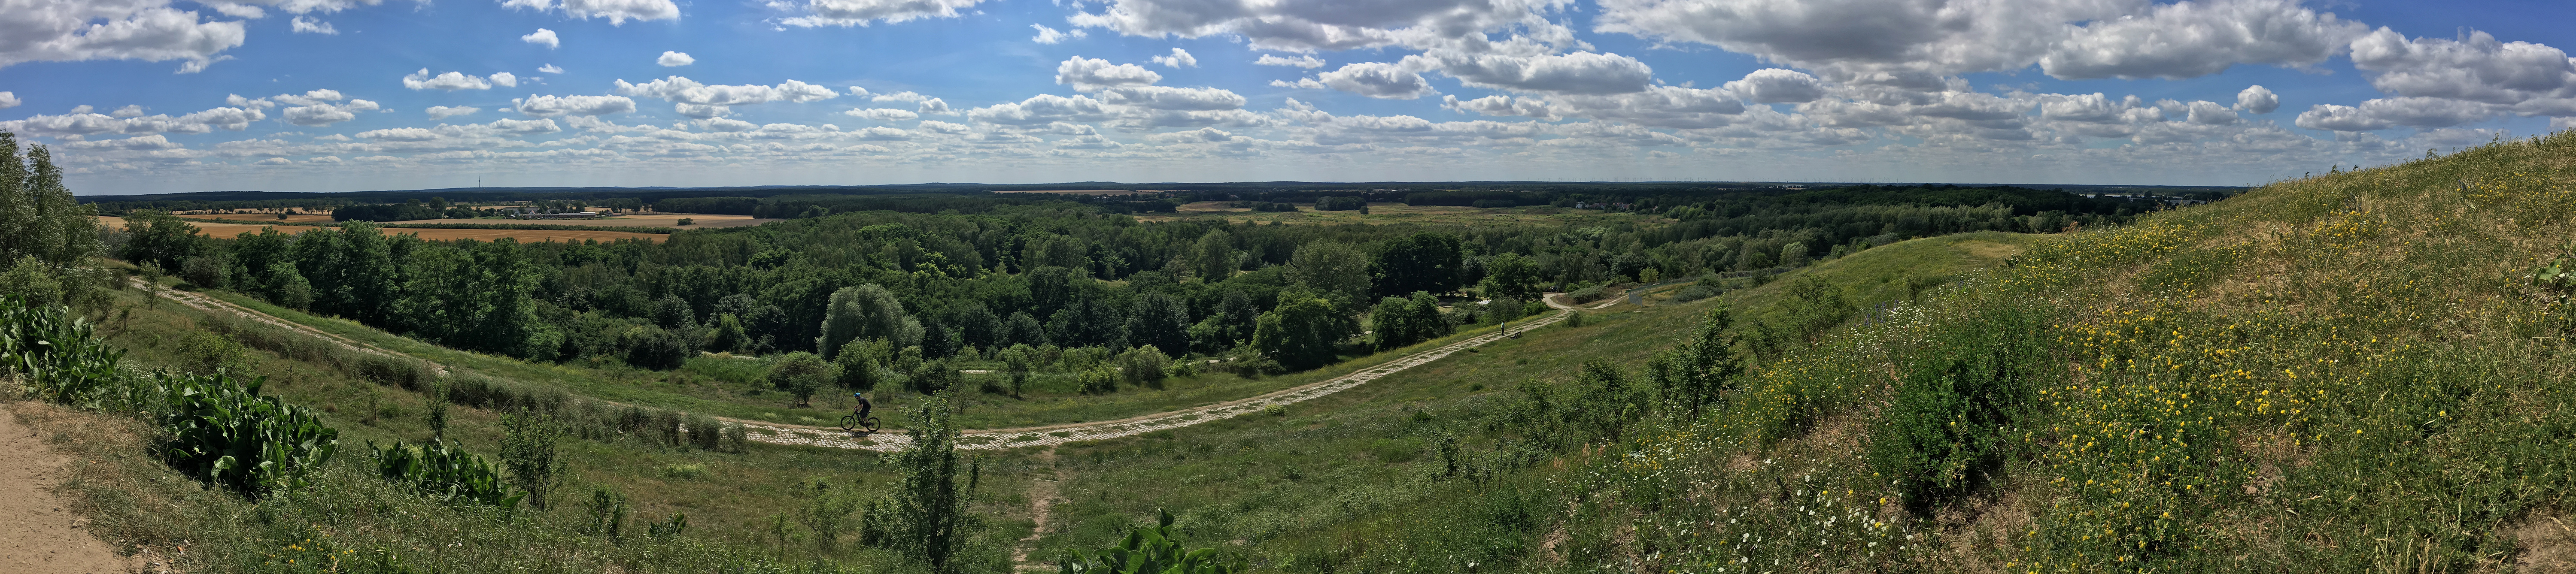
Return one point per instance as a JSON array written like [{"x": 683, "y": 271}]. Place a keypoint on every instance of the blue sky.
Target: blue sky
[{"x": 147, "y": 96}]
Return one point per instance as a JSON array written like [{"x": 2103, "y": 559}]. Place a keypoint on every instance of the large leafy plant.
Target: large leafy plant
[
  {"x": 1152, "y": 551},
  {"x": 443, "y": 471},
  {"x": 224, "y": 432},
  {"x": 53, "y": 352}
]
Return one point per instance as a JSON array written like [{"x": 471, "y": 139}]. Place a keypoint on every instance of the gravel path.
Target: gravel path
[{"x": 834, "y": 437}]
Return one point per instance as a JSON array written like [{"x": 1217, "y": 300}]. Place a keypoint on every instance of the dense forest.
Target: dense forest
[{"x": 935, "y": 276}]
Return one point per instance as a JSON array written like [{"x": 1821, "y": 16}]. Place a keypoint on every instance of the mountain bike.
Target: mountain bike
[{"x": 851, "y": 422}]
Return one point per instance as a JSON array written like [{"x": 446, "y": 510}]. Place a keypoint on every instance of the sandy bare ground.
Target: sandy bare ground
[{"x": 38, "y": 535}]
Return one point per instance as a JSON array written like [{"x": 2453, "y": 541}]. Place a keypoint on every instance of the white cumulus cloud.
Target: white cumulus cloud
[
  {"x": 1307, "y": 62},
  {"x": 544, "y": 37},
  {"x": 2257, "y": 99},
  {"x": 550, "y": 69},
  {"x": 1092, "y": 74},
  {"x": 444, "y": 112},
  {"x": 1777, "y": 86},
  {"x": 862, "y": 12},
  {"x": 422, "y": 80},
  {"x": 553, "y": 106},
  {"x": 1179, "y": 58},
  {"x": 1050, "y": 35},
  {"x": 672, "y": 59},
  {"x": 9, "y": 100},
  {"x": 616, "y": 11},
  {"x": 882, "y": 114},
  {"x": 147, "y": 30},
  {"x": 305, "y": 25}
]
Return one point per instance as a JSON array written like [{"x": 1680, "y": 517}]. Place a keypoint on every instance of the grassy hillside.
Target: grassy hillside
[
  {"x": 1421, "y": 470},
  {"x": 2337, "y": 374}
]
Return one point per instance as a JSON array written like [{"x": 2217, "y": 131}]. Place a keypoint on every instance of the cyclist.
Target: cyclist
[{"x": 864, "y": 406}]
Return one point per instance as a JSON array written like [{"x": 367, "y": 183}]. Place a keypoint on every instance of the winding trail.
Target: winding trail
[{"x": 1050, "y": 435}]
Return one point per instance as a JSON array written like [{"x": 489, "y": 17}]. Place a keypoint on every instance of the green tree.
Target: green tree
[
  {"x": 1420, "y": 262},
  {"x": 159, "y": 238},
  {"x": 38, "y": 216},
  {"x": 1160, "y": 321},
  {"x": 1213, "y": 257},
  {"x": 930, "y": 519},
  {"x": 1513, "y": 276},
  {"x": 865, "y": 312},
  {"x": 1334, "y": 270},
  {"x": 800, "y": 374},
  {"x": 1303, "y": 332}
]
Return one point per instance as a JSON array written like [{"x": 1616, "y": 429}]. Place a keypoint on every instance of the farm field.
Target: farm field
[
  {"x": 1388, "y": 212},
  {"x": 229, "y": 230}
]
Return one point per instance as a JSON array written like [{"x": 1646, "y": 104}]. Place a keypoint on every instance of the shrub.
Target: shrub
[
  {"x": 224, "y": 432},
  {"x": 402, "y": 372},
  {"x": 1154, "y": 550},
  {"x": 1943, "y": 434},
  {"x": 705, "y": 433},
  {"x": 1693, "y": 293},
  {"x": 1097, "y": 381},
  {"x": 1143, "y": 366},
  {"x": 737, "y": 438},
  {"x": 800, "y": 374},
  {"x": 443, "y": 471},
  {"x": 205, "y": 272},
  {"x": 207, "y": 352},
  {"x": 1585, "y": 295},
  {"x": 55, "y": 356},
  {"x": 528, "y": 450}
]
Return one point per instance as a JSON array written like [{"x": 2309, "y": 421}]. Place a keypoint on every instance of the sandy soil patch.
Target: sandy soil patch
[{"x": 43, "y": 537}]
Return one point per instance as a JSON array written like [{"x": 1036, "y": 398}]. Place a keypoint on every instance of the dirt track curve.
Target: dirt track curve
[{"x": 777, "y": 433}]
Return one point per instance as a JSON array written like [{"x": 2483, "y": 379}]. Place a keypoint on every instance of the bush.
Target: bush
[
  {"x": 737, "y": 438},
  {"x": 1585, "y": 295},
  {"x": 1693, "y": 293},
  {"x": 224, "y": 432},
  {"x": 1143, "y": 366},
  {"x": 1943, "y": 434},
  {"x": 1097, "y": 381},
  {"x": 705, "y": 433},
  {"x": 655, "y": 348},
  {"x": 207, "y": 352},
  {"x": 55, "y": 356},
  {"x": 1155, "y": 550},
  {"x": 404, "y": 372},
  {"x": 800, "y": 374},
  {"x": 445, "y": 472},
  {"x": 205, "y": 272},
  {"x": 528, "y": 449}
]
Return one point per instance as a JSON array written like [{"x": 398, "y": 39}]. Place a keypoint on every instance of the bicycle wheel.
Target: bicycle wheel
[
  {"x": 869, "y": 423},
  {"x": 850, "y": 422}
]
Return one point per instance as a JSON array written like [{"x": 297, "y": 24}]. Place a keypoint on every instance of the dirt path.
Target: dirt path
[
  {"x": 1050, "y": 435},
  {"x": 37, "y": 536},
  {"x": 1041, "y": 500}
]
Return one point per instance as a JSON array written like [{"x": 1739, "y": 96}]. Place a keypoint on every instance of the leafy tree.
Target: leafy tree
[
  {"x": 1400, "y": 321},
  {"x": 1334, "y": 270},
  {"x": 1302, "y": 333},
  {"x": 865, "y": 312},
  {"x": 1090, "y": 321},
  {"x": 1160, "y": 321},
  {"x": 658, "y": 349},
  {"x": 1421, "y": 262},
  {"x": 1213, "y": 258},
  {"x": 800, "y": 374},
  {"x": 1513, "y": 276},
  {"x": 730, "y": 336},
  {"x": 1023, "y": 329},
  {"x": 930, "y": 519},
  {"x": 979, "y": 327},
  {"x": 38, "y": 216},
  {"x": 160, "y": 238}
]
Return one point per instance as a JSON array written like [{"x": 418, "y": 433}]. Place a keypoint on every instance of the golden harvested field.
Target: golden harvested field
[
  {"x": 229, "y": 230},
  {"x": 1393, "y": 212},
  {"x": 290, "y": 219}
]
